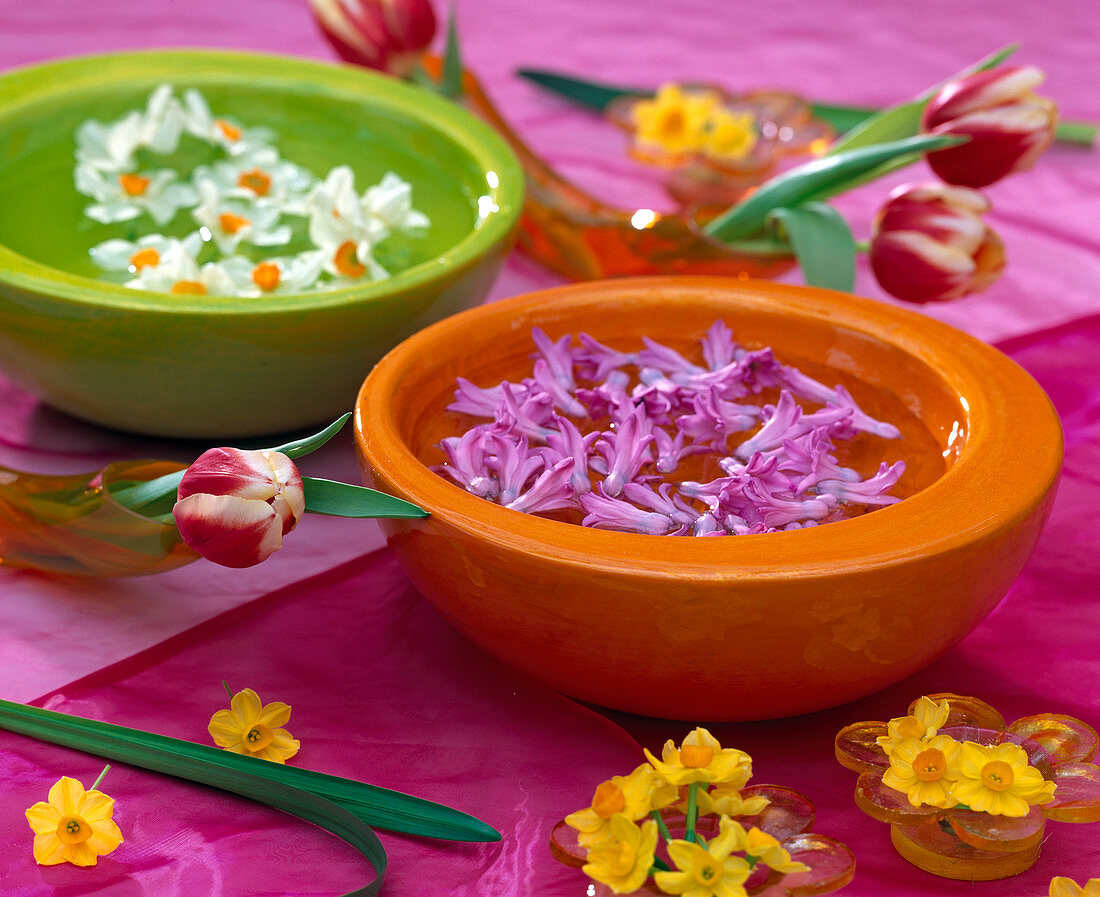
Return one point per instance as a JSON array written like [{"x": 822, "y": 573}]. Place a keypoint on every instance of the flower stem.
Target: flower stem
[
  {"x": 693, "y": 811},
  {"x": 95, "y": 784},
  {"x": 228, "y": 690},
  {"x": 661, "y": 827},
  {"x": 659, "y": 865}
]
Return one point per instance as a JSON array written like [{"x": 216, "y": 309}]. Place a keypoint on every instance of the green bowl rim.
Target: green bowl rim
[{"x": 21, "y": 86}]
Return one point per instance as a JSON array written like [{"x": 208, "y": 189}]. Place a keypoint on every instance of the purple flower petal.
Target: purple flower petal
[
  {"x": 550, "y": 491},
  {"x": 605, "y": 512}
]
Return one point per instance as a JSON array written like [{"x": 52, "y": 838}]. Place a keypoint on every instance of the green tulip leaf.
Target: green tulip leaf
[
  {"x": 592, "y": 94},
  {"x": 451, "y": 84},
  {"x": 816, "y": 181},
  {"x": 903, "y": 120},
  {"x": 346, "y": 500},
  {"x": 822, "y": 242},
  {"x": 299, "y": 447},
  {"x": 351, "y": 804}
]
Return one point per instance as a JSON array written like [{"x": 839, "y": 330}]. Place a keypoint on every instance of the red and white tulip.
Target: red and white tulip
[
  {"x": 1008, "y": 124},
  {"x": 929, "y": 243},
  {"x": 235, "y": 506},
  {"x": 388, "y": 35}
]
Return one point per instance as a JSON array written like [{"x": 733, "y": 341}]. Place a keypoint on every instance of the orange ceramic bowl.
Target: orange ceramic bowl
[{"x": 740, "y": 627}]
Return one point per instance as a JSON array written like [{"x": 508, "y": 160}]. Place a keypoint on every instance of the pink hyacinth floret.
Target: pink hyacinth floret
[{"x": 597, "y": 435}]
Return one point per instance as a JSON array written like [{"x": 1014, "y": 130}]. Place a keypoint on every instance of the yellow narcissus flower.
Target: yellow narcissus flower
[
  {"x": 702, "y": 759},
  {"x": 706, "y": 871},
  {"x": 723, "y": 800},
  {"x": 74, "y": 827},
  {"x": 254, "y": 729},
  {"x": 760, "y": 847},
  {"x": 674, "y": 120},
  {"x": 924, "y": 722},
  {"x": 925, "y": 770},
  {"x": 999, "y": 781},
  {"x": 623, "y": 860},
  {"x": 633, "y": 796},
  {"x": 730, "y": 136},
  {"x": 1060, "y": 886}
]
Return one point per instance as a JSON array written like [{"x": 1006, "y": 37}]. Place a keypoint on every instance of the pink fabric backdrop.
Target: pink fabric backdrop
[{"x": 403, "y": 701}]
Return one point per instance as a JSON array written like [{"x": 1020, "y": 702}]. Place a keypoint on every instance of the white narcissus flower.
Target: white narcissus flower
[
  {"x": 127, "y": 195},
  {"x": 260, "y": 176},
  {"x": 297, "y": 274},
  {"x": 389, "y": 202},
  {"x": 338, "y": 226},
  {"x": 162, "y": 122},
  {"x": 135, "y": 255},
  {"x": 109, "y": 148},
  {"x": 234, "y": 506},
  {"x": 232, "y": 221},
  {"x": 179, "y": 273},
  {"x": 232, "y": 137}
]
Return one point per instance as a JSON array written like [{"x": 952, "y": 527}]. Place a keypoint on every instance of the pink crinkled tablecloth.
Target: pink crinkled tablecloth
[{"x": 400, "y": 700}]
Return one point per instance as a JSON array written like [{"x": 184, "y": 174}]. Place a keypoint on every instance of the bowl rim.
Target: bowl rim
[
  {"x": 20, "y": 87},
  {"x": 1003, "y": 408}
]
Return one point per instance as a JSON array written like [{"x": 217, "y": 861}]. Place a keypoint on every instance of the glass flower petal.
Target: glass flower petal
[
  {"x": 968, "y": 711},
  {"x": 886, "y": 804},
  {"x": 1063, "y": 737},
  {"x": 788, "y": 812},
  {"x": 832, "y": 865},
  {"x": 998, "y": 833},
  {"x": 1077, "y": 798},
  {"x": 857, "y": 750},
  {"x": 565, "y": 847}
]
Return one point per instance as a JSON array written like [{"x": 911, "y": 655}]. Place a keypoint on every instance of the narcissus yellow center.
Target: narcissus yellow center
[
  {"x": 696, "y": 756},
  {"x": 133, "y": 184},
  {"x": 609, "y": 800},
  {"x": 258, "y": 737},
  {"x": 189, "y": 287},
  {"x": 621, "y": 861},
  {"x": 257, "y": 180},
  {"x": 705, "y": 869},
  {"x": 231, "y": 223},
  {"x": 266, "y": 276},
  {"x": 930, "y": 765},
  {"x": 347, "y": 261},
  {"x": 997, "y": 775},
  {"x": 73, "y": 830},
  {"x": 143, "y": 258}
]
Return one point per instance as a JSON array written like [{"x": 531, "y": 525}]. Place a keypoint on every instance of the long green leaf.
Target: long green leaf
[
  {"x": 244, "y": 782},
  {"x": 822, "y": 243},
  {"x": 346, "y": 500},
  {"x": 903, "y": 120},
  {"x": 593, "y": 94},
  {"x": 299, "y": 447},
  {"x": 372, "y": 805},
  {"x": 814, "y": 181}
]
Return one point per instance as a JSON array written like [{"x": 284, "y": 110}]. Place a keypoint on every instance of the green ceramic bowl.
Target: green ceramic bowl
[{"x": 215, "y": 367}]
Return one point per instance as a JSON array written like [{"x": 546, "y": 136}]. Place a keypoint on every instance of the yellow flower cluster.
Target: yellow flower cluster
[
  {"x": 937, "y": 771},
  {"x": 682, "y": 121},
  {"x": 699, "y": 778}
]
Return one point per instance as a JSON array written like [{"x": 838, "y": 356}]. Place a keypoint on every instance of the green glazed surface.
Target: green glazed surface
[{"x": 206, "y": 367}]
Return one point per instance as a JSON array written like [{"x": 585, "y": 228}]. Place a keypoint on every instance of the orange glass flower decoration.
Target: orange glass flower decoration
[{"x": 960, "y": 841}]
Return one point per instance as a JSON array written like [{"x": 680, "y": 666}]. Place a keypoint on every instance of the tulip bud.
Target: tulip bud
[
  {"x": 1009, "y": 125},
  {"x": 387, "y": 35},
  {"x": 234, "y": 506},
  {"x": 929, "y": 244}
]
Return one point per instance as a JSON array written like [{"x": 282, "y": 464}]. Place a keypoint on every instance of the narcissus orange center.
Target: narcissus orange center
[
  {"x": 144, "y": 257},
  {"x": 189, "y": 287},
  {"x": 133, "y": 184},
  {"x": 231, "y": 132},
  {"x": 930, "y": 765},
  {"x": 347, "y": 261},
  {"x": 232, "y": 223},
  {"x": 608, "y": 800},
  {"x": 257, "y": 180},
  {"x": 266, "y": 276},
  {"x": 997, "y": 775}
]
